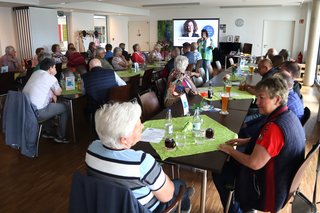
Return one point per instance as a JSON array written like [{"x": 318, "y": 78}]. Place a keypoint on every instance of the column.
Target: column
[{"x": 313, "y": 44}]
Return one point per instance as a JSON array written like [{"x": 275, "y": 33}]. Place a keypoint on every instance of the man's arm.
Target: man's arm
[
  {"x": 119, "y": 81},
  {"x": 165, "y": 193}
]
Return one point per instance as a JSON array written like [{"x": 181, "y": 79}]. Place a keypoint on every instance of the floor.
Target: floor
[{"x": 43, "y": 184}]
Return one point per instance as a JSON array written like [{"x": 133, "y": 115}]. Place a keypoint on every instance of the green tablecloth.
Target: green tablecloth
[
  {"x": 129, "y": 73},
  {"x": 221, "y": 135},
  {"x": 71, "y": 92},
  {"x": 235, "y": 93}
]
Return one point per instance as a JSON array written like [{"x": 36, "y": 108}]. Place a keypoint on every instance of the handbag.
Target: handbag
[{"x": 302, "y": 204}]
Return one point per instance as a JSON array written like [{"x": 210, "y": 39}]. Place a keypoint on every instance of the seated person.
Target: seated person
[
  {"x": 155, "y": 54},
  {"x": 118, "y": 61},
  {"x": 170, "y": 65},
  {"x": 263, "y": 173},
  {"x": 294, "y": 69},
  {"x": 75, "y": 58},
  {"x": 277, "y": 60},
  {"x": 70, "y": 46},
  {"x": 58, "y": 57},
  {"x": 42, "y": 89},
  {"x": 190, "y": 28},
  {"x": 10, "y": 59},
  {"x": 137, "y": 55},
  {"x": 119, "y": 128},
  {"x": 124, "y": 52},
  {"x": 97, "y": 83},
  {"x": 35, "y": 61},
  {"x": 179, "y": 82},
  {"x": 109, "y": 53},
  {"x": 91, "y": 52},
  {"x": 41, "y": 57},
  {"x": 270, "y": 53},
  {"x": 100, "y": 54},
  {"x": 285, "y": 54}
]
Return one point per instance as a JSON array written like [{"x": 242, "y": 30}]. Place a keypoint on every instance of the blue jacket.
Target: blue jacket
[{"x": 20, "y": 123}]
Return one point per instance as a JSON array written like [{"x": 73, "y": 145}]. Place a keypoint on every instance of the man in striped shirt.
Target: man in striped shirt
[{"x": 119, "y": 128}]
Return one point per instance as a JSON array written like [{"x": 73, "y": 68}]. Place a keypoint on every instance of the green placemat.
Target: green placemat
[
  {"x": 221, "y": 135},
  {"x": 129, "y": 73},
  {"x": 71, "y": 92},
  {"x": 235, "y": 93}
]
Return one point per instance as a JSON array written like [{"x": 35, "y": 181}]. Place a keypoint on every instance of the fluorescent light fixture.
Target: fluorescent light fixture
[
  {"x": 172, "y": 5},
  {"x": 250, "y": 6}
]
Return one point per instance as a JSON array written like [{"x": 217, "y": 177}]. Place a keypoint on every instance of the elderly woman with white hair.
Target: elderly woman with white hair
[
  {"x": 119, "y": 128},
  {"x": 179, "y": 82},
  {"x": 119, "y": 62},
  {"x": 155, "y": 54},
  {"x": 10, "y": 59}
]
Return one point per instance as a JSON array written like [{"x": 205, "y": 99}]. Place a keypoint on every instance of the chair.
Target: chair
[
  {"x": 247, "y": 48},
  {"x": 218, "y": 65},
  {"x": 150, "y": 104},
  {"x": 161, "y": 85},
  {"x": 231, "y": 61},
  {"x": 134, "y": 81},
  {"x": 89, "y": 192},
  {"x": 120, "y": 94},
  {"x": 306, "y": 116},
  {"x": 146, "y": 79},
  {"x": 296, "y": 179},
  {"x": 7, "y": 82}
]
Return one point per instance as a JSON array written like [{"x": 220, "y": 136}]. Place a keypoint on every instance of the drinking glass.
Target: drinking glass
[
  {"x": 180, "y": 139},
  {"x": 199, "y": 137},
  {"x": 224, "y": 100},
  {"x": 251, "y": 69}
]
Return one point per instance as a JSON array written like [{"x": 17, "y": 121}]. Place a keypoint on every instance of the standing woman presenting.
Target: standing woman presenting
[{"x": 205, "y": 48}]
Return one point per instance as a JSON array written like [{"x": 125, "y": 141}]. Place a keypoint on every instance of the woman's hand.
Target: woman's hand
[
  {"x": 238, "y": 141},
  {"x": 225, "y": 148}
]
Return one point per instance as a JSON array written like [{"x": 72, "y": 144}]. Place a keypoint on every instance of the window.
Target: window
[
  {"x": 63, "y": 32},
  {"x": 100, "y": 25}
]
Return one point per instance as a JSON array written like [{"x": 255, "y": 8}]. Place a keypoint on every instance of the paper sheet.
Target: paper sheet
[{"x": 152, "y": 135}]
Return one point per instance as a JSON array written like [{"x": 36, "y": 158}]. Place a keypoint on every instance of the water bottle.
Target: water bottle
[
  {"x": 210, "y": 91},
  {"x": 79, "y": 83},
  {"x": 62, "y": 81},
  {"x": 196, "y": 122},
  {"x": 168, "y": 124}
]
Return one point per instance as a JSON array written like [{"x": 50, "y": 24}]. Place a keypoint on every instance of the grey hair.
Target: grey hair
[
  {"x": 275, "y": 86},
  {"x": 99, "y": 50},
  {"x": 116, "y": 50},
  {"x": 9, "y": 49},
  {"x": 287, "y": 77},
  {"x": 181, "y": 63},
  {"x": 44, "y": 55},
  {"x": 117, "y": 120}
]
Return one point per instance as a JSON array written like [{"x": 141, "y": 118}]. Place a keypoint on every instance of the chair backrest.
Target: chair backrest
[
  {"x": 299, "y": 174},
  {"x": 161, "y": 89},
  {"x": 218, "y": 65},
  {"x": 150, "y": 104},
  {"x": 7, "y": 82},
  {"x": 146, "y": 79},
  {"x": 120, "y": 94},
  {"x": 247, "y": 48},
  {"x": 134, "y": 81},
  {"x": 231, "y": 61},
  {"x": 306, "y": 116}
]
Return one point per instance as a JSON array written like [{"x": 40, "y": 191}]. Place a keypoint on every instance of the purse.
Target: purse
[{"x": 301, "y": 204}]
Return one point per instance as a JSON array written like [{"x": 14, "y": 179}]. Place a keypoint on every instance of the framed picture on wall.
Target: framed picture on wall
[
  {"x": 236, "y": 38},
  {"x": 229, "y": 38}
]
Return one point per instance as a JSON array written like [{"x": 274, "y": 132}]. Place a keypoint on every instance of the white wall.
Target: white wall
[
  {"x": 44, "y": 28},
  {"x": 7, "y": 35},
  {"x": 250, "y": 32},
  {"x": 118, "y": 30}
]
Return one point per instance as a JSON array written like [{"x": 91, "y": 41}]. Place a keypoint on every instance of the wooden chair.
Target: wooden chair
[
  {"x": 99, "y": 188},
  {"x": 134, "y": 81},
  {"x": 161, "y": 86},
  {"x": 120, "y": 94},
  {"x": 146, "y": 80},
  {"x": 7, "y": 82},
  {"x": 306, "y": 116},
  {"x": 150, "y": 104}
]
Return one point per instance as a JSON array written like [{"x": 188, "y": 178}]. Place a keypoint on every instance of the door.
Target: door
[
  {"x": 139, "y": 32},
  {"x": 277, "y": 34}
]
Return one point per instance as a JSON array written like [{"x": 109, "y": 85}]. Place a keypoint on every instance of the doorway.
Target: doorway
[
  {"x": 139, "y": 32},
  {"x": 277, "y": 34}
]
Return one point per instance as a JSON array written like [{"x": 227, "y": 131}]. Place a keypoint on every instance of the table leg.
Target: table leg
[
  {"x": 72, "y": 121},
  {"x": 203, "y": 191}
]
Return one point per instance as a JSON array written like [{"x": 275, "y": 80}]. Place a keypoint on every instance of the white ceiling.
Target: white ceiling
[{"x": 142, "y": 7}]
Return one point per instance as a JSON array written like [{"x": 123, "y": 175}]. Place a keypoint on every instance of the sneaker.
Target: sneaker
[
  {"x": 48, "y": 135},
  {"x": 191, "y": 191},
  {"x": 61, "y": 140}
]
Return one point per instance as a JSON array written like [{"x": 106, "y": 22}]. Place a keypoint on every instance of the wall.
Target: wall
[
  {"x": 44, "y": 28},
  {"x": 7, "y": 35},
  {"x": 250, "y": 32},
  {"x": 118, "y": 30}
]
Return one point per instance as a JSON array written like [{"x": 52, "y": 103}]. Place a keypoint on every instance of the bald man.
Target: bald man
[
  {"x": 97, "y": 82},
  {"x": 270, "y": 53}
]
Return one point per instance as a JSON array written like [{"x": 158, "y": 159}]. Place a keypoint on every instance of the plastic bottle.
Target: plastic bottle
[
  {"x": 210, "y": 91},
  {"x": 79, "y": 82},
  {"x": 169, "y": 124},
  {"x": 62, "y": 81},
  {"x": 196, "y": 122}
]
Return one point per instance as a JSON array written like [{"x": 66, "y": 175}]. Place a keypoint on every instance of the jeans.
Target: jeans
[
  {"x": 224, "y": 183},
  {"x": 50, "y": 111},
  {"x": 185, "y": 203},
  {"x": 206, "y": 66}
]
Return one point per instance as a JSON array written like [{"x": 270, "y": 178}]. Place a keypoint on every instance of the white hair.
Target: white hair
[
  {"x": 117, "y": 120},
  {"x": 9, "y": 49},
  {"x": 180, "y": 63}
]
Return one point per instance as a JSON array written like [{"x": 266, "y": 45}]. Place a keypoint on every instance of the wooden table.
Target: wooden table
[{"x": 212, "y": 161}]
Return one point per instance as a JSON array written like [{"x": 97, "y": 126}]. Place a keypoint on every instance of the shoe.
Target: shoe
[
  {"x": 191, "y": 191},
  {"x": 61, "y": 140},
  {"x": 187, "y": 211},
  {"x": 48, "y": 135}
]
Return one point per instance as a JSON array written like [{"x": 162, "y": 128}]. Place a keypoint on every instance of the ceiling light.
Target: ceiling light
[{"x": 172, "y": 5}]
